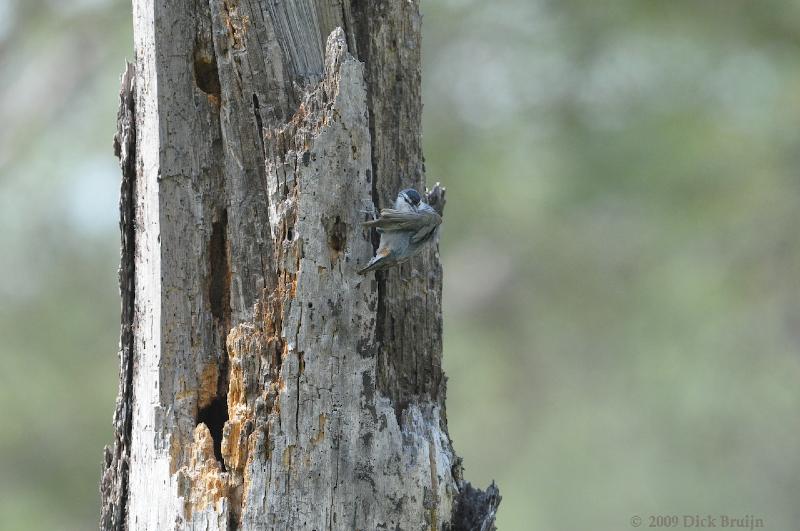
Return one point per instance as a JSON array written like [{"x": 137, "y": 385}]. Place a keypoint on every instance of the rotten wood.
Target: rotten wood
[
  {"x": 114, "y": 481},
  {"x": 264, "y": 383}
]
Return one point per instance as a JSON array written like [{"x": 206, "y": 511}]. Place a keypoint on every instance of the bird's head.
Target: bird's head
[{"x": 411, "y": 197}]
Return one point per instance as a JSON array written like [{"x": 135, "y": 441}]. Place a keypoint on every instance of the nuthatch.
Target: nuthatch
[{"x": 404, "y": 230}]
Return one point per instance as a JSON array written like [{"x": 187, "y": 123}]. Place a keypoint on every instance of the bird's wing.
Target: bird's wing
[{"x": 421, "y": 222}]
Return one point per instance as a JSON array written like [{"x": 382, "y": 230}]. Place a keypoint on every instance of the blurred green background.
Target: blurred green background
[{"x": 621, "y": 255}]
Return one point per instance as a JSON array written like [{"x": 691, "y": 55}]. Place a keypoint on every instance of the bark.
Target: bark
[
  {"x": 264, "y": 384},
  {"x": 114, "y": 482}
]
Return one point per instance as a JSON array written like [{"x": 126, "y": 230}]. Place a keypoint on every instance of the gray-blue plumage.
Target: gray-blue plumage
[{"x": 404, "y": 229}]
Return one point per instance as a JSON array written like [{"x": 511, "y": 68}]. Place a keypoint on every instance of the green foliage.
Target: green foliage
[{"x": 619, "y": 251}]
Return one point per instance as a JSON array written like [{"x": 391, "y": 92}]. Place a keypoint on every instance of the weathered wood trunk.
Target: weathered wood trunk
[{"x": 264, "y": 384}]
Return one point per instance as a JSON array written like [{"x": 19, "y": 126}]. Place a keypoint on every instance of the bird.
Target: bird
[{"x": 404, "y": 229}]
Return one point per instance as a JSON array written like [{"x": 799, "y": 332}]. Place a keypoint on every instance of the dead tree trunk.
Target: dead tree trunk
[{"x": 264, "y": 384}]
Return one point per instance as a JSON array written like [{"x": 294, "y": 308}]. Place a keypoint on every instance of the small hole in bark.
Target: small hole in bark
[
  {"x": 337, "y": 237},
  {"x": 214, "y": 417},
  {"x": 206, "y": 75},
  {"x": 336, "y": 232},
  {"x": 400, "y": 406}
]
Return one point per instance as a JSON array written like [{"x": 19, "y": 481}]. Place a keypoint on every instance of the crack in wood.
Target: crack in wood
[
  {"x": 259, "y": 122},
  {"x": 219, "y": 289}
]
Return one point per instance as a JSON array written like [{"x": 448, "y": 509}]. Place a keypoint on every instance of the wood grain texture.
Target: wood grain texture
[
  {"x": 114, "y": 481},
  {"x": 269, "y": 386},
  {"x": 409, "y": 350}
]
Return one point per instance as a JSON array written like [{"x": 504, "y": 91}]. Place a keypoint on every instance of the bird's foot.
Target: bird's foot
[{"x": 370, "y": 210}]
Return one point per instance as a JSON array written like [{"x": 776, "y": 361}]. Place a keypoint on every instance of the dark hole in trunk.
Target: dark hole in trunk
[{"x": 214, "y": 417}]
